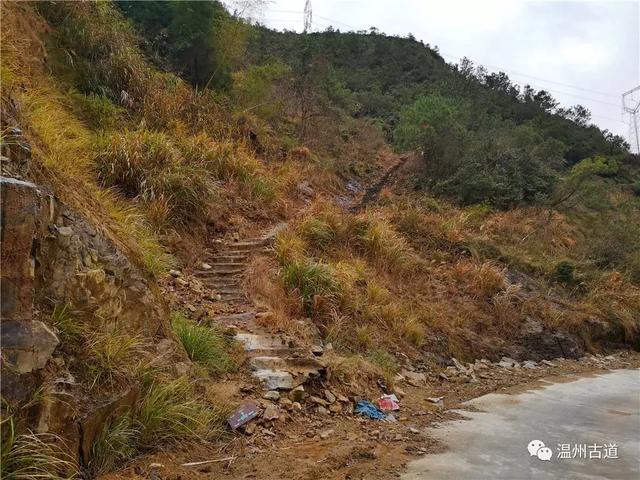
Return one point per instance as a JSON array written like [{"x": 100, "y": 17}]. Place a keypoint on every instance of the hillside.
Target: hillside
[{"x": 197, "y": 210}]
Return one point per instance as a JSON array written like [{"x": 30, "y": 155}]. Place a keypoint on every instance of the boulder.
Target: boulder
[{"x": 27, "y": 346}]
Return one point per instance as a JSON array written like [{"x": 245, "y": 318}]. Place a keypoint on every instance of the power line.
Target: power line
[{"x": 535, "y": 78}]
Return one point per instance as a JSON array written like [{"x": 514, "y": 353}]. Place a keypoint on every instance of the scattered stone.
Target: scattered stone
[
  {"x": 443, "y": 376},
  {"x": 414, "y": 378},
  {"x": 65, "y": 231},
  {"x": 296, "y": 406},
  {"x": 326, "y": 434},
  {"x": 191, "y": 307},
  {"x": 507, "y": 362},
  {"x": 342, "y": 398},
  {"x": 286, "y": 403},
  {"x": 335, "y": 408},
  {"x": 205, "y": 266},
  {"x": 250, "y": 428},
  {"x": 457, "y": 364},
  {"x": 414, "y": 430},
  {"x": 436, "y": 400},
  {"x": 180, "y": 282},
  {"x": 298, "y": 394},
  {"x": 271, "y": 413},
  {"x": 331, "y": 398},
  {"x": 271, "y": 395},
  {"x": 322, "y": 411},
  {"x": 530, "y": 364},
  {"x": 318, "y": 401},
  {"x": 175, "y": 273}
]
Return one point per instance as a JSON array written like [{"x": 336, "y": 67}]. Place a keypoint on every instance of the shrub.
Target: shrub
[
  {"x": 383, "y": 245},
  {"x": 318, "y": 232},
  {"x": 311, "y": 279},
  {"x": 564, "y": 272},
  {"x": 204, "y": 345},
  {"x": 386, "y": 363},
  {"x": 98, "y": 111},
  {"x": 148, "y": 166},
  {"x": 289, "y": 247}
]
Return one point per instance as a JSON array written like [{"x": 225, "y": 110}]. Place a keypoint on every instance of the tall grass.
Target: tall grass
[
  {"x": 117, "y": 443},
  {"x": 205, "y": 345},
  {"x": 148, "y": 166},
  {"x": 311, "y": 279},
  {"x": 112, "y": 357},
  {"x": 29, "y": 456},
  {"x": 171, "y": 412}
]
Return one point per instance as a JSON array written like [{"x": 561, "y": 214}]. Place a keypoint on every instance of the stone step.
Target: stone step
[
  {"x": 265, "y": 342},
  {"x": 214, "y": 272},
  {"x": 228, "y": 258},
  {"x": 275, "y": 379},
  {"x": 235, "y": 300},
  {"x": 252, "y": 246},
  {"x": 234, "y": 319},
  {"x": 289, "y": 364},
  {"x": 230, "y": 291},
  {"x": 228, "y": 282}
]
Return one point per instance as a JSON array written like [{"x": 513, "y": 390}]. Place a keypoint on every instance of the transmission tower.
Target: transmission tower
[
  {"x": 308, "y": 16},
  {"x": 631, "y": 105}
]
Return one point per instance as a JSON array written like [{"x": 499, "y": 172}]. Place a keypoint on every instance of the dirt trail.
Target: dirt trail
[{"x": 374, "y": 190}]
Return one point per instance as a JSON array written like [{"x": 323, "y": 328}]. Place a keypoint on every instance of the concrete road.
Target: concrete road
[{"x": 590, "y": 411}]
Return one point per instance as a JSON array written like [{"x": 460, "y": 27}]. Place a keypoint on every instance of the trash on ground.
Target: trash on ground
[
  {"x": 389, "y": 402},
  {"x": 245, "y": 413},
  {"x": 390, "y": 418},
  {"x": 368, "y": 409}
]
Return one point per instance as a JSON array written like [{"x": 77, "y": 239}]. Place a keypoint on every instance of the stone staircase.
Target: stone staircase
[{"x": 278, "y": 362}]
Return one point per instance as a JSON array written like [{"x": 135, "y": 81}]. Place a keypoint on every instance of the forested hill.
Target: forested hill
[
  {"x": 483, "y": 137},
  {"x": 384, "y": 74}
]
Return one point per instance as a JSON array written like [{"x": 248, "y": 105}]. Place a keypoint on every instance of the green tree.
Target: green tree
[{"x": 430, "y": 125}]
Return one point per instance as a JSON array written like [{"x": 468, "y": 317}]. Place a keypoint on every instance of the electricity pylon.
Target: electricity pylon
[
  {"x": 307, "y": 16},
  {"x": 631, "y": 105}
]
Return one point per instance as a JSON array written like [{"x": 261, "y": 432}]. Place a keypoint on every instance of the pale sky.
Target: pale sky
[{"x": 590, "y": 49}]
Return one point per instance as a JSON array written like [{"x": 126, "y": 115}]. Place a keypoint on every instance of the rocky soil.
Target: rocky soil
[{"x": 311, "y": 432}]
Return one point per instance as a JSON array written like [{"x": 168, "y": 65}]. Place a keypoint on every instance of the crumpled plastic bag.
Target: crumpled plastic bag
[
  {"x": 368, "y": 409},
  {"x": 389, "y": 402}
]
